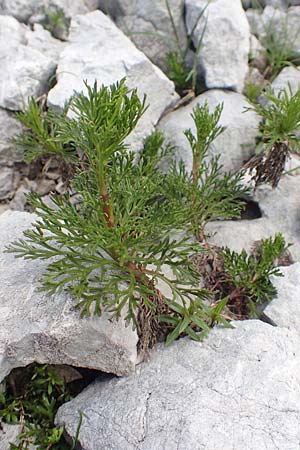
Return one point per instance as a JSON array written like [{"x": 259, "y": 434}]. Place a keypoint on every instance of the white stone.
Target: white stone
[
  {"x": 9, "y": 128},
  {"x": 235, "y": 145},
  {"x": 150, "y": 16},
  {"x": 41, "y": 40},
  {"x": 36, "y": 327},
  {"x": 9, "y": 435},
  {"x": 289, "y": 76},
  {"x": 226, "y": 43},
  {"x": 98, "y": 50},
  {"x": 25, "y": 71},
  {"x": 23, "y": 9},
  {"x": 239, "y": 389},
  {"x": 280, "y": 213},
  {"x": 284, "y": 25},
  {"x": 6, "y": 182},
  {"x": 284, "y": 310}
]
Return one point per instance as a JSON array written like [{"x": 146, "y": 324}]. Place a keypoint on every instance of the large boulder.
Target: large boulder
[
  {"x": 28, "y": 60},
  {"x": 235, "y": 145},
  {"x": 239, "y": 389},
  {"x": 144, "y": 20},
  {"x": 36, "y": 327},
  {"x": 223, "y": 57},
  {"x": 98, "y": 50}
]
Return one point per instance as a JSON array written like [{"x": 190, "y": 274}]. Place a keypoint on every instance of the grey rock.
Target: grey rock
[
  {"x": 280, "y": 213},
  {"x": 23, "y": 9},
  {"x": 284, "y": 310},
  {"x": 235, "y": 145},
  {"x": 230, "y": 392},
  {"x": 9, "y": 128},
  {"x": 7, "y": 185},
  {"x": 148, "y": 16},
  {"x": 239, "y": 235},
  {"x": 9, "y": 434},
  {"x": 282, "y": 24},
  {"x": 289, "y": 76},
  {"x": 36, "y": 327},
  {"x": 41, "y": 40},
  {"x": 25, "y": 71},
  {"x": 98, "y": 50},
  {"x": 226, "y": 43}
]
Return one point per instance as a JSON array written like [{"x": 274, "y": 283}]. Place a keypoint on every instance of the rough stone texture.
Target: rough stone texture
[
  {"x": 237, "y": 390},
  {"x": 98, "y": 50},
  {"x": 235, "y": 145},
  {"x": 148, "y": 16},
  {"x": 285, "y": 308},
  {"x": 23, "y": 9},
  {"x": 25, "y": 71},
  {"x": 41, "y": 40},
  {"x": 288, "y": 76},
  {"x": 283, "y": 24},
  {"x": 9, "y": 127},
  {"x": 9, "y": 434},
  {"x": 280, "y": 213},
  {"x": 7, "y": 185},
  {"x": 239, "y": 235},
  {"x": 226, "y": 43},
  {"x": 46, "y": 329}
]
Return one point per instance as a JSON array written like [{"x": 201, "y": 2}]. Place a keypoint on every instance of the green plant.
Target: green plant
[
  {"x": 184, "y": 77},
  {"x": 33, "y": 405},
  {"x": 278, "y": 40},
  {"x": 56, "y": 22},
  {"x": 241, "y": 281},
  {"x": 279, "y": 134},
  {"x": 111, "y": 248},
  {"x": 252, "y": 92},
  {"x": 212, "y": 195},
  {"x": 247, "y": 277}
]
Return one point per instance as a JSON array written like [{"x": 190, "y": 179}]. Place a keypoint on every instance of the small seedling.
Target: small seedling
[
  {"x": 279, "y": 135},
  {"x": 213, "y": 195},
  {"x": 33, "y": 405},
  {"x": 241, "y": 280}
]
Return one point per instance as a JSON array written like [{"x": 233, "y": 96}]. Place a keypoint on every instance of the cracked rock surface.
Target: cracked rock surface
[
  {"x": 36, "y": 327},
  {"x": 94, "y": 42},
  {"x": 239, "y": 389}
]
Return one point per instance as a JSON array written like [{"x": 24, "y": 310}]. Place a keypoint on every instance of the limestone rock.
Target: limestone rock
[
  {"x": 25, "y": 71},
  {"x": 9, "y": 434},
  {"x": 284, "y": 310},
  {"x": 6, "y": 182},
  {"x": 280, "y": 213},
  {"x": 9, "y": 128},
  {"x": 148, "y": 16},
  {"x": 235, "y": 145},
  {"x": 41, "y": 40},
  {"x": 288, "y": 76},
  {"x": 98, "y": 50},
  {"x": 284, "y": 25},
  {"x": 226, "y": 43},
  {"x": 23, "y": 9},
  {"x": 36, "y": 327},
  {"x": 230, "y": 392}
]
